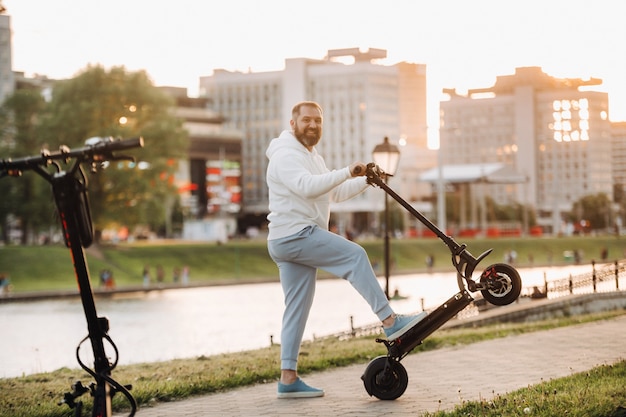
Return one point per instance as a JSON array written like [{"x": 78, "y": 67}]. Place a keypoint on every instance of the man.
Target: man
[{"x": 301, "y": 188}]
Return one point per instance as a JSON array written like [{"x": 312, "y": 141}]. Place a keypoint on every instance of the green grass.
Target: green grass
[
  {"x": 598, "y": 392},
  {"x": 36, "y": 268},
  {"x": 37, "y": 395}
]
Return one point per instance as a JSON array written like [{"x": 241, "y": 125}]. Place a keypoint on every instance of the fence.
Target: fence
[{"x": 603, "y": 278}]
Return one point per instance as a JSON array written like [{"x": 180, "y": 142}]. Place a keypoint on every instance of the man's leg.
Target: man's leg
[
  {"x": 348, "y": 260},
  {"x": 298, "y": 283}
]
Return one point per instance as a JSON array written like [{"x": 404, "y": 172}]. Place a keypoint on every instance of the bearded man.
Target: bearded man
[{"x": 301, "y": 189}]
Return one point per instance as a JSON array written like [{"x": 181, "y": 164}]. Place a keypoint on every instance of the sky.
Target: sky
[{"x": 465, "y": 44}]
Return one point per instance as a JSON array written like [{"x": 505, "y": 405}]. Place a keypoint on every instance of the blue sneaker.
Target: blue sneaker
[
  {"x": 402, "y": 325},
  {"x": 298, "y": 390}
]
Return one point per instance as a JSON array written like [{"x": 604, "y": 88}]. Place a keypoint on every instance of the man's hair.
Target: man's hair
[{"x": 295, "y": 112}]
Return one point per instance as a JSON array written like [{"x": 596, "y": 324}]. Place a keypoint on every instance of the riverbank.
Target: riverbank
[
  {"x": 49, "y": 268},
  {"x": 131, "y": 290},
  {"x": 104, "y": 292}
]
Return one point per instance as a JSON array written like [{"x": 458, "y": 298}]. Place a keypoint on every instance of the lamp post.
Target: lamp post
[{"x": 386, "y": 156}]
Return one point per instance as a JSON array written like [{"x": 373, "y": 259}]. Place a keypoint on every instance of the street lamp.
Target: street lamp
[{"x": 386, "y": 156}]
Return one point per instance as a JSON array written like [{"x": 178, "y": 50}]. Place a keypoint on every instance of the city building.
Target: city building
[
  {"x": 209, "y": 181},
  {"x": 618, "y": 154},
  {"x": 554, "y": 132},
  {"x": 7, "y": 82},
  {"x": 618, "y": 163},
  {"x": 363, "y": 102}
]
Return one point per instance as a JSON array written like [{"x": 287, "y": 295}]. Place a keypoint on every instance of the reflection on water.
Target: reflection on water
[{"x": 42, "y": 336}]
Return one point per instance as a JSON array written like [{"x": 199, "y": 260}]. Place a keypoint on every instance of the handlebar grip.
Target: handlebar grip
[
  {"x": 117, "y": 145},
  {"x": 131, "y": 143}
]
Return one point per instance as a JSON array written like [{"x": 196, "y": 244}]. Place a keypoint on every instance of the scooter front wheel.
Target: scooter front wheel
[
  {"x": 503, "y": 284},
  {"x": 385, "y": 379}
]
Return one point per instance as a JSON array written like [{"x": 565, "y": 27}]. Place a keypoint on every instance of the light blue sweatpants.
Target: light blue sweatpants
[{"x": 298, "y": 257}]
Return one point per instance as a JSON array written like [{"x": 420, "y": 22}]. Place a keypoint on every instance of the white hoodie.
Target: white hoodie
[{"x": 301, "y": 187}]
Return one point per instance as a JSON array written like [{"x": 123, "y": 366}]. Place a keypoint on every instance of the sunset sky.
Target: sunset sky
[{"x": 464, "y": 43}]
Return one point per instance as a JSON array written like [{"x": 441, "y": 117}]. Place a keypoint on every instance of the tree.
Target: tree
[
  {"x": 28, "y": 198},
  {"x": 510, "y": 212},
  {"x": 120, "y": 104},
  {"x": 595, "y": 209}
]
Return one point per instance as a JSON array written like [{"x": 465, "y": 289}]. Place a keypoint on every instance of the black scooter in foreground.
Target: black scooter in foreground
[
  {"x": 500, "y": 284},
  {"x": 63, "y": 170}
]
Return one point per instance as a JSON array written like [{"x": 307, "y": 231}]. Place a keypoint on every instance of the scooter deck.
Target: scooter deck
[{"x": 403, "y": 345}]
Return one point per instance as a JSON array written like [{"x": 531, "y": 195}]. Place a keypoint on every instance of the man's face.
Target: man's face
[{"x": 307, "y": 128}]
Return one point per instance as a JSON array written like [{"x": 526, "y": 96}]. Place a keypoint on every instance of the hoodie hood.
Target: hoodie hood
[{"x": 285, "y": 141}]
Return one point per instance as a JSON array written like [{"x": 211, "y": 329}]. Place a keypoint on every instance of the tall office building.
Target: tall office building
[
  {"x": 555, "y": 132},
  {"x": 618, "y": 162},
  {"x": 363, "y": 102},
  {"x": 7, "y": 82}
]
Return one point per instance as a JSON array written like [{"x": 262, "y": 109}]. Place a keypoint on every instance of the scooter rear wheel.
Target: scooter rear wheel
[
  {"x": 503, "y": 284},
  {"x": 385, "y": 379}
]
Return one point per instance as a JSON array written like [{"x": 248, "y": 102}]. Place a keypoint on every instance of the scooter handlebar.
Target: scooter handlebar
[
  {"x": 96, "y": 150},
  {"x": 374, "y": 174}
]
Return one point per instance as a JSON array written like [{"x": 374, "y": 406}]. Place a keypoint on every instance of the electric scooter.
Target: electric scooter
[
  {"x": 69, "y": 187},
  {"x": 500, "y": 284}
]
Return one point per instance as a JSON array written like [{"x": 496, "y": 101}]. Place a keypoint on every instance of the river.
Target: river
[{"x": 42, "y": 336}]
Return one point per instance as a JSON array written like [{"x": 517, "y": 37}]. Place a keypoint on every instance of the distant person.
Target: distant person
[
  {"x": 537, "y": 293},
  {"x": 110, "y": 283},
  {"x": 103, "y": 278},
  {"x": 160, "y": 274},
  {"x": 430, "y": 262},
  {"x": 185, "y": 275},
  {"x": 301, "y": 188},
  {"x": 604, "y": 254},
  {"x": 106, "y": 279},
  {"x": 176, "y": 275},
  {"x": 398, "y": 296},
  {"x": 146, "y": 276},
  {"x": 5, "y": 284}
]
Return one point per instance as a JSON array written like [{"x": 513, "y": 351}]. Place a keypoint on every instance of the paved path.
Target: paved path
[{"x": 438, "y": 379}]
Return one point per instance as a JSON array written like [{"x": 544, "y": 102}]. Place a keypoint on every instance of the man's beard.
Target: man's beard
[{"x": 308, "y": 137}]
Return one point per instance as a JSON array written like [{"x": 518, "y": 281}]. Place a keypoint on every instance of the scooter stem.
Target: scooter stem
[{"x": 463, "y": 261}]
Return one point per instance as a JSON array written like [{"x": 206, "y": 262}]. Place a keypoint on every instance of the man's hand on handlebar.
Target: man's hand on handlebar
[{"x": 357, "y": 169}]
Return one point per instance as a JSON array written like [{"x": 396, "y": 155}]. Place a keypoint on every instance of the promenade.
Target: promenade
[{"x": 438, "y": 380}]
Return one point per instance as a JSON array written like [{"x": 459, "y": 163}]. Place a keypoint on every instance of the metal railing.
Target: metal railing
[{"x": 601, "y": 278}]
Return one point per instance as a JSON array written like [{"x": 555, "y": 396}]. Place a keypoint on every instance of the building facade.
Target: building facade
[
  {"x": 7, "y": 82},
  {"x": 209, "y": 181},
  {"x": 363, "y": 102},
  {"x": 618, "y": 163},
  {"x": 555, "y": 132},
  {"x": 618, "y": 154}
]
